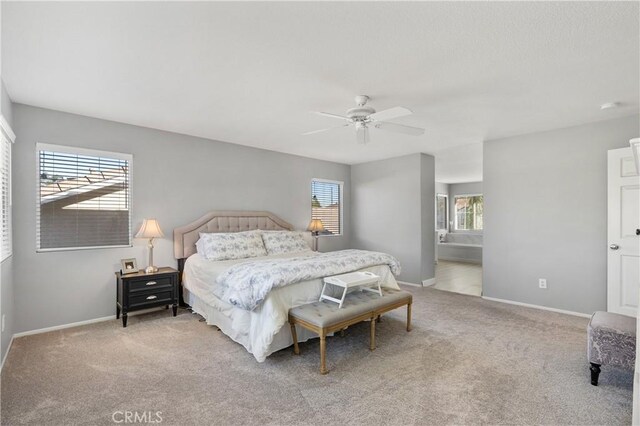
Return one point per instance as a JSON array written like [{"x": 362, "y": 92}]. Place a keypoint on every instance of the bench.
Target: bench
[
  {"x": 611, "y": 341},
  {"x": 325, "y": 317}
]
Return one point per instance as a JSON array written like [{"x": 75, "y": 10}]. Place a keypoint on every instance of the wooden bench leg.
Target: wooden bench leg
[
  {"x": 323, "y": 353},
  {"x": 294, "y": 335},
  {"x": 372, "y": 340},
  {"x": 409, "y": 317}
]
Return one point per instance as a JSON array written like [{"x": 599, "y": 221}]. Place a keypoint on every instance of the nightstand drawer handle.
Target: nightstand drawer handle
[
  {"x": 152, "y": 283},
  {"x": 152, "y": 297}
]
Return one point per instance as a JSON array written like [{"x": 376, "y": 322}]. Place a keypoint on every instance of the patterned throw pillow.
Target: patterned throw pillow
[
  {"x": 279, "y": 242},
  {"x": 230, "y": 245}
]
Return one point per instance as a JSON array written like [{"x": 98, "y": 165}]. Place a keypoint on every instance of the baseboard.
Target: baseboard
[
  {"x": 411, "y": 284},
  {"x": 544, "y": 308},
  {"x": 63, "y": 326},
  {"x": 461, "y": 259},
  {"x": 79, "y": 323},
  {"x": 4, "y": 358},
  {"x": 429, "y": 282}
]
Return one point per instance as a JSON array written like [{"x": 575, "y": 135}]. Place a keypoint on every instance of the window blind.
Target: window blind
[
  {"x": 83, "y": 199},
  {"x": 6, "y": 246},
  {"x": 326, "y": 204}
]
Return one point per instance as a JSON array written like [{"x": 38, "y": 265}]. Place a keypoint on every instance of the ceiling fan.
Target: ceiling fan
[{"x": 364, "y": 117}]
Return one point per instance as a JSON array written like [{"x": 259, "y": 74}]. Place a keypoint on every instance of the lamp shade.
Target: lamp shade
[
  {"x": 315, "y": 225},
  {"x": 150, "y": 229}
]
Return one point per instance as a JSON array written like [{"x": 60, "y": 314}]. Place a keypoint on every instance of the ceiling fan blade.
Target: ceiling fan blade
[
  {"x": 324, "y": 130},
  {"x": 362, "y": 134},
  {"x": 399, "y": 128},
  {"x": 390, "y": 114},
  {"x": 328, "y": 114}
]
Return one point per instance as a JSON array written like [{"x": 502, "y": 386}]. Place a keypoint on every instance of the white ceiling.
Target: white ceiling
[{"x": 250, "y": 73}]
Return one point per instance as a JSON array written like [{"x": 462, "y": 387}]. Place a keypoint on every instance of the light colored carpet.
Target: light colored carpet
[
  {"x": 459, "y": 277},
  {"x": 467, "y": 361}
]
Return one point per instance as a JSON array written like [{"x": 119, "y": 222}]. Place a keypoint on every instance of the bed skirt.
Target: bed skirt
[{"x": 213, "y": 316}]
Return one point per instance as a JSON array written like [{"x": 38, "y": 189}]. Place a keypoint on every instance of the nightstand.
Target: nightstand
[{"x": 142, "y": 291}]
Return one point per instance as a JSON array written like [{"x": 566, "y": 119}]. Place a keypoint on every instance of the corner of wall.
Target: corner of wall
[
  {"x": 6, "y": 309},
  {"x": 6, "y": 104},
  {"x": 6, "y": 267},
  {"x": 427, "y": 207}
]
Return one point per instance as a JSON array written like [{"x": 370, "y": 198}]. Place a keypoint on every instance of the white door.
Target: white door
[{"x": 623, "y": 276}]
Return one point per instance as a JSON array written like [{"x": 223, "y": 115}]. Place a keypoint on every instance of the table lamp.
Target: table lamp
[
  {"x": 150, "y": 229},
  {"x": 315, "y": 226}
]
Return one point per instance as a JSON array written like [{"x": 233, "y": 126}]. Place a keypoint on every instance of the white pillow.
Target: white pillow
[
  {"x": 230, "y": 245},
  {"x": 279, "y": 242}
]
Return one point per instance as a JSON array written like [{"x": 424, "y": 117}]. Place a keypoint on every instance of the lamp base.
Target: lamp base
[{"x": 151, "y": 269}]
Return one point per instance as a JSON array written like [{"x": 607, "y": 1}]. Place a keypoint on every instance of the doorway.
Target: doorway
[{"x": 459, "y": 228}]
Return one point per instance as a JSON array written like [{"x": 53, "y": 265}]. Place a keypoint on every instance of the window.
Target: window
[
  {"x": 442, "y": 211},
  {"x": 6, "y": 246},
  {"x": 326, "y": 205},
  {"x": 83, "y": 198},
  {"x": 468, "y": 210}
]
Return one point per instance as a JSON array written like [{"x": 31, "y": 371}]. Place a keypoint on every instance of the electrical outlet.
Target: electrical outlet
[
  {"x": 542, "y": 283},
  {"x": 3, "y": 323}
]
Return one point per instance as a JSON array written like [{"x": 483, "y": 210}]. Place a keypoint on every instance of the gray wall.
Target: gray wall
[
  {"x": 461, "y": 189},
  {"x": 428, "y": 211},
  {"x": 442, "y": 188},
  {"x": 545, "y": 205},
  {"x": 6, "y": 268},
  {"x": 5, "y": 104},
  {"x": 176, "y": 179},
  {"x": 390, "y": 199}
]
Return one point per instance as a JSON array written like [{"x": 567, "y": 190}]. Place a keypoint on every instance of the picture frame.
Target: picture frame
[{"x": 129, "y": 266}]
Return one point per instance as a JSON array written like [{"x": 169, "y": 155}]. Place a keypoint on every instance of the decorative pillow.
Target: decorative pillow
[
  {"x": 279, "y": 242},
  {"x": 231, "y": 245},
  {"x": 200, "y": 246}
]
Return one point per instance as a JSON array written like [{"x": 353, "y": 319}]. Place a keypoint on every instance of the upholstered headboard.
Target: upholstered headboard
[{"x": 185, "y": 237}]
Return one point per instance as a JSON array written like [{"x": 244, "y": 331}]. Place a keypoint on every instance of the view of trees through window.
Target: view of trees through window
[
  {"x": 441, "y": 211},
  {"x": 468, "y": 211}
]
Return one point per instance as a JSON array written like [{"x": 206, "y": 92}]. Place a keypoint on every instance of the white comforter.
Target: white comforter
[
  {"x": 246, "y": 284},
  {"x": 256, "y": 330}
]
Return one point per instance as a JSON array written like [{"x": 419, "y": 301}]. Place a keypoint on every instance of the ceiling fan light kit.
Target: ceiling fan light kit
[{"x": 362, "y": 117}]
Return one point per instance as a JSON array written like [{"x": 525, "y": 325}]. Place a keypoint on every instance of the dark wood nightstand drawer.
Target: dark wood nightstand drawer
[
  {"x": 149, "y": 283},
  {"x": 142, "y": 290},
  {"x": 151, "y": 297}
]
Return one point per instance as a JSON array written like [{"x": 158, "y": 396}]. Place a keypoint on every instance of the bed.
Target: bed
[{"x": 260, "y": 330}]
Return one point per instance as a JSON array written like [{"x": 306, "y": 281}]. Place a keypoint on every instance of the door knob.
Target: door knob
[{"x": 614, "y": 247}]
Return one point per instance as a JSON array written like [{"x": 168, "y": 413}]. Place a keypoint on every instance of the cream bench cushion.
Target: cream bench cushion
[
  {"x": 326, "y": 317},
  {"x": 325, "y": 314}
]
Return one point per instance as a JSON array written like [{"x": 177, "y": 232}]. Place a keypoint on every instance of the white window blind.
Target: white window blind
[
  {"x": 6, "y": 246},
  {"x": 326, "y": 204},
  {"x": 83, "y": 198}
]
